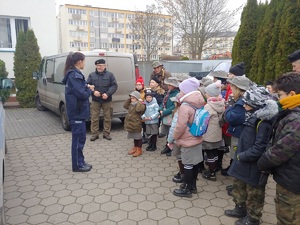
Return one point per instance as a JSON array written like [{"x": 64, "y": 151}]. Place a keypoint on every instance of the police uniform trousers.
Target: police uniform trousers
[{"x": 78, "y": 140}]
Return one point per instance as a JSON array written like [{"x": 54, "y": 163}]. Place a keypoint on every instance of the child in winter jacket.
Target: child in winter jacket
[
  {"x": 133, "y": 122},
  {"x": 212, "y": 139},
  {"x": 191, "y": 147},
  {"x": 166, "y": 109},
  {"x": 151, "y": 119},
  {"x": 283, "y": 157},
  {"x": 171, "y": 142},
  {"x": 248, "y": 194}
]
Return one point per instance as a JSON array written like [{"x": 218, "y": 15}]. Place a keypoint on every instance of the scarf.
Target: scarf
[{"x": 290, "y": 102}]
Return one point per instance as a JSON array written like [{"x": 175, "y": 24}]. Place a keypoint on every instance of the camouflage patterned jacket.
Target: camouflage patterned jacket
[{"x": 283, "y": 158}]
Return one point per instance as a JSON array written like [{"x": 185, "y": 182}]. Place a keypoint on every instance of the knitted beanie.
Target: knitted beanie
[
  {"x": 136, "y": 94},
  {"x": 214, "y": 89},
  {"x": 140, "y": 80},
  {"x": 238, "y": 69},
  {"x": 256, "y": 97},
  {"x": 189, "y": 85}
]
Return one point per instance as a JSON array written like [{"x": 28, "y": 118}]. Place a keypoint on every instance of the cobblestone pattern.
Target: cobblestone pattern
[{"x": 41, "y": 189}]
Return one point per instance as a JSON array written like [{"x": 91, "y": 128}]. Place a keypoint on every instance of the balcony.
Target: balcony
[
  {"x": 79, "y": 28},
  {"x": 76, "y": 16},
  {"x": 77, "y": 39}
]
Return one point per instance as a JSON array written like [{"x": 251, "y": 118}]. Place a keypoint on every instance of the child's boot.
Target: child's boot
[
  {"x": 132, "y": 151},
  {"x": 138, "y": 152}
]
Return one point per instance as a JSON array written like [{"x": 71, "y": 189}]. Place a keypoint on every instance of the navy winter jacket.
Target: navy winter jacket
[
  {"x": 235, "y": 116},
  {"x": 252, "y": 144},
  {"x": 77, "y": 95}
]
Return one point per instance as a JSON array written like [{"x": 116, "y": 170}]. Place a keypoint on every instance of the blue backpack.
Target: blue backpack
[{"x": 200, "y": 122}]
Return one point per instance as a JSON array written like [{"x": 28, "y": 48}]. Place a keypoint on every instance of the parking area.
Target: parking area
[{"x": 40, "y": 187}]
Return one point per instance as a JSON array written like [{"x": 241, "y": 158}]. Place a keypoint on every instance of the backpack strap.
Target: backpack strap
[
  {"x": 185, "y": 103},
  {"x": 259, "y": 122}
]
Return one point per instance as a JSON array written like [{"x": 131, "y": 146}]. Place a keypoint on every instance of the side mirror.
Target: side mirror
[
  {"x": 7, "y": 83},
  {"x": 35, "y": 75}
]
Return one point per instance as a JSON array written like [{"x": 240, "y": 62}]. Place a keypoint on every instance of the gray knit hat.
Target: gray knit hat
[
  {"x": 214, "y": 89},
  {"x": 136, "y": 94},
  {"x": 241, "y": 82}
]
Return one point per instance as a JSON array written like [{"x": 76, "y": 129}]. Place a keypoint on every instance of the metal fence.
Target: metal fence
[{"x": 179, "y": 67}]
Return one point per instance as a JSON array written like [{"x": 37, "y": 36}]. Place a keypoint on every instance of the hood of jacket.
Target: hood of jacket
[
  {"x": 267, "y": 112},
  {"x": 217, "y": 103},
  {"x": 194, "y": 98},
  {"x": 154, "y": 101}
]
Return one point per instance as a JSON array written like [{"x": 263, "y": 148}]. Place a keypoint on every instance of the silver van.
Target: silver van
[
  {"x": 50, "y": 93},
  {"x": 5, "y": 83}
]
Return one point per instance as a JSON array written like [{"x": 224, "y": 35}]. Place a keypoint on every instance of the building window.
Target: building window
[{"x": 9, "y": 30}]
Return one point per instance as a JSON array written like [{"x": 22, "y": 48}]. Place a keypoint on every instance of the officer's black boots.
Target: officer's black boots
[{"x": 239, "y": 211}]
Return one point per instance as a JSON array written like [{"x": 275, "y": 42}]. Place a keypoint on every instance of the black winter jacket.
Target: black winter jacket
[{"x": 104, "y": 82}]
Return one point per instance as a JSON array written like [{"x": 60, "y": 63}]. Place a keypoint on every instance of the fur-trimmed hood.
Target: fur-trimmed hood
[{"x": 268, "y": 111}]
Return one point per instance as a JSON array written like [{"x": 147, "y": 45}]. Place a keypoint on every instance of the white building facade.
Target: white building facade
[
  {"x": 16, "y": 16},
  {"x": 87, "y": 28}
]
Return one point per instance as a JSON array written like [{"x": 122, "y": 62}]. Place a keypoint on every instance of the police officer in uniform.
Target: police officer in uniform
[{"x": 77, "y": 94}]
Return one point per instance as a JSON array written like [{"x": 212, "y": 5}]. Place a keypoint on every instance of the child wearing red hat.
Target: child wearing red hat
[{"x": 140, "y": 87}]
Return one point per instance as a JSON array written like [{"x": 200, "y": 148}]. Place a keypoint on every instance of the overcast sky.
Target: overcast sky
[{"x": 135, "y": 4}]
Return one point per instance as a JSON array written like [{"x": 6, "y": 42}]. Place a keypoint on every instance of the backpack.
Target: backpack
[{"x": 200, "y": 122}]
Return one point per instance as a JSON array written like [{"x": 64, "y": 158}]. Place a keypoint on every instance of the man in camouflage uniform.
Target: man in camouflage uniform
[
  {"x": 282, "y": 159},
  {"x": 160, "y": 73}
]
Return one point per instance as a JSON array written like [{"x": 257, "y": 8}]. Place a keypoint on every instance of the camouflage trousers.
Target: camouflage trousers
[
  {"x": 287, "y": 206},
  {"x": 252, "y": 196}
]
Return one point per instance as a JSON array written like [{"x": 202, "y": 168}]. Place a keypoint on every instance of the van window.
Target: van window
[
  {"x": 49, "y": 70},
  {"x": 118, "y": 65},
  {"x": 59, "y": 69}
]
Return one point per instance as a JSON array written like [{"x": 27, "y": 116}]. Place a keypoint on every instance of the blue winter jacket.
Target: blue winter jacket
[
  {"x": 235, "y": 116},
  {"x": 170, "y": 138},
  {"x": 151, "y": 111},
  {"x": 77, "y": 95}
]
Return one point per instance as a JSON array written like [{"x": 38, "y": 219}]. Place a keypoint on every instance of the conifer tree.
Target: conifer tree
[
  {"x": 289, "y": 37},
  {"x": 27, "y": 59},
  {"x": 4, "y": 94},
  {"x": 277, "y": 6},
  {"x": 244, "y": 46}
]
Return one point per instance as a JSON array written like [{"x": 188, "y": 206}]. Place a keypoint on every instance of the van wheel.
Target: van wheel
[
  {"x": 64, "y": 118},
  {"x": 38, "y": 103}
]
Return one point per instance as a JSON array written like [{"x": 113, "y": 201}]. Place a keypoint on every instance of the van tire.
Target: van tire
[
  {"x": 64, "y": 118},
  {"x": 38, "y": 103}
]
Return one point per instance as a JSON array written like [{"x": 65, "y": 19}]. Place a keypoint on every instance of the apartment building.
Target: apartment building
[
  {"x": 218, "y": 46},
  {"x": 88, "y": 28},
  {"x": 17, "y": 16}
]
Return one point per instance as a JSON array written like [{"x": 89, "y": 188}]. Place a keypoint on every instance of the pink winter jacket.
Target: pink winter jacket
[
  {"x": 215, "y": 106},
  {"x": 186, "y": 115}
]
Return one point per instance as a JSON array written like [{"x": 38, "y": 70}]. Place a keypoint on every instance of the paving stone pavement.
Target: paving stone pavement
[{"x": 40, "y": 187}]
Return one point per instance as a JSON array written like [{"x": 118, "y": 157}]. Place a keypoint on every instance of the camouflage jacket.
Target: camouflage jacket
[{"x": 283, "y": 157}]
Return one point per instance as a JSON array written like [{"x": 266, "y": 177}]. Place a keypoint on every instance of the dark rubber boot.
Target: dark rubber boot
[
  {"x": 239, "y": 211},
  {"x": 149, "y": 146},
  {"x": 183, "y": 191}
]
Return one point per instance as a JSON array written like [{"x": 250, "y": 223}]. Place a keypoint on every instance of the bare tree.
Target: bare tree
[
  {"x": 151, "y": 29},
  {"x": 196, "y": 21}
]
